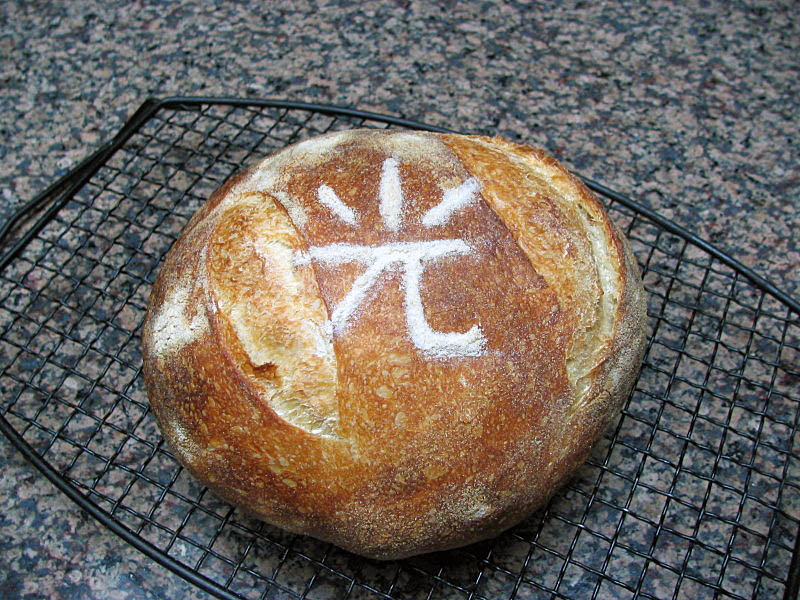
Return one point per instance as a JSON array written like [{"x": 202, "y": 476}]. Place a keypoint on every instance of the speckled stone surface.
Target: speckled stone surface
[{"x": 689, "y": 108}]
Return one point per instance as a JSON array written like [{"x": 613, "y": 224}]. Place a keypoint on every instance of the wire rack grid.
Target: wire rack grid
[{"x": 692, "y": 493}]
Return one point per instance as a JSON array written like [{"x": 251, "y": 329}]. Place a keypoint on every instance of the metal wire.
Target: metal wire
[{"x": 693, "y": 493}]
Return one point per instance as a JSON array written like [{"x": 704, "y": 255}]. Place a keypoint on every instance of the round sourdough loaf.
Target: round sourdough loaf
[{"x": 395, "y": 341}]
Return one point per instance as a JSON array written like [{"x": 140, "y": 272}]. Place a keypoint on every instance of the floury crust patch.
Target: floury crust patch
[{"x": 408, "y": 258}]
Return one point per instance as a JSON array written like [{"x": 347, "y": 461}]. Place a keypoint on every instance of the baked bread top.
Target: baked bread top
[{"x": 396, "y": 341}]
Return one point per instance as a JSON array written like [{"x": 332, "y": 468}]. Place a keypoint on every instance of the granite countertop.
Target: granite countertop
[{"x": 689, "y": 108}]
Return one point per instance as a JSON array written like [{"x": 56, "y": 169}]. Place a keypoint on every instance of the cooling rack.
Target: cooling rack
[{"x": 692, "y": 493}]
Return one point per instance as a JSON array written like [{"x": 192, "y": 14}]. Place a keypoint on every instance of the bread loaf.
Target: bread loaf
[{"x": 398, "y": 342}]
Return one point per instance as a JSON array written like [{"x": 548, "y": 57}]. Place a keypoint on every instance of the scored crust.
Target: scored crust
[{"x": 399, "y": 342}]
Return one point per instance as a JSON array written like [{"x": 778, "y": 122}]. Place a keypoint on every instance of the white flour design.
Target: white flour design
[{"x": 409, "y": 257}]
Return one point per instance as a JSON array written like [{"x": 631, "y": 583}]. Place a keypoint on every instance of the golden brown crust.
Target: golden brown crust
[
  {"x": 398, "y": 342},
  {"x": 553, "y": 215}
]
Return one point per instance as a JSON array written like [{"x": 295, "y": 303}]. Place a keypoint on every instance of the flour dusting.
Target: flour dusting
[
  {"x": 434, "y": 343},
  {"x": 391, "y": 195},
  {"x": 407, "y": 259},
  {"x": 454, "y": 199},
  {"x": 171, "y": 329},
  {"x": 410, "y": 258},
  {"x": 328, "y": 197},
  {"x": 297, "y": 214}
]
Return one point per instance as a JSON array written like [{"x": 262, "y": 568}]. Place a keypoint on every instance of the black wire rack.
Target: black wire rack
[{"x": 692, "y": 493}]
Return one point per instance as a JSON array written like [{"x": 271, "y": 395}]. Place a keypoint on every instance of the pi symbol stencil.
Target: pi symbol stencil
[{"x": 408, "y": 258}]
